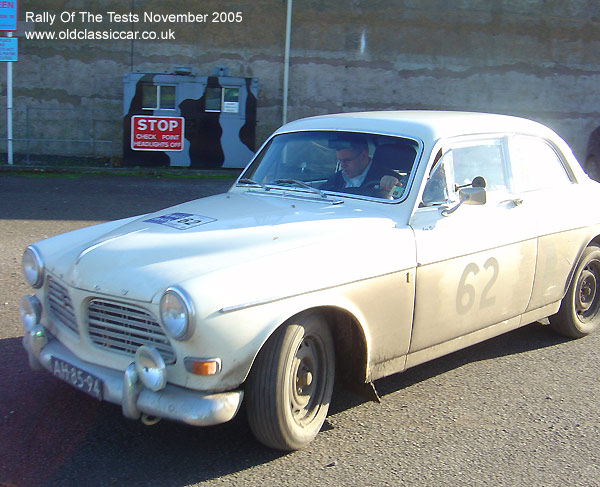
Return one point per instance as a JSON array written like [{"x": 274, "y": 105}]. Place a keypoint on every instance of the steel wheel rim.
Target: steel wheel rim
[
  {"x": 307, "y": 381},
  {"x": 587, "y": 301}
]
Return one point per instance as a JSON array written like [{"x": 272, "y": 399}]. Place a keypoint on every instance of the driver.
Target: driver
[{"x": 356, "y": 168}]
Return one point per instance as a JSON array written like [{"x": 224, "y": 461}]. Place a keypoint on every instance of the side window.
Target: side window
[
  {"x": 535, "y": 164},
  {"x": 231, "y": 100},
  {"x": 483, "y": 159},
  {"x": 225, "y": 100},
  {"x": 158, "y": 97},
  {"x": 437, "y": 190},
  {"x": 213, "y": 97},
  {"x": 149, "y": 97},
  {"x": 460, "y": 164}
]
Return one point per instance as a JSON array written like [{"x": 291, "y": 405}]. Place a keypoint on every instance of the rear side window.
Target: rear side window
[{"x": 535, "y": 164}]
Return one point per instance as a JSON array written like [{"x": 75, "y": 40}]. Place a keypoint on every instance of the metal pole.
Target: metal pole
[
  {"x": 27, "y": 132},
  {"x": 286, "y": 62},
  {"x": 9, "y": 106}
]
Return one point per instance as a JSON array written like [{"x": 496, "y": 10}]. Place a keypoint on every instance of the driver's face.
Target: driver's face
[{"x": 352, "y": 162}]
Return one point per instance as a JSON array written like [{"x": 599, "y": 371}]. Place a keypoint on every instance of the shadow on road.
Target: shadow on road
[
  {"x": 528, "y": 338},
  {"x": 54, "y": 435}
]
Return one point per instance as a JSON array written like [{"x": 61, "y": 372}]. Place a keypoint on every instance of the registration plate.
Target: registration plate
[{"x": 78, "y": 378}]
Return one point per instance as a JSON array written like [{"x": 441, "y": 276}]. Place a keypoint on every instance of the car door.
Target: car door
[
  {"x": 475, "y": 266},
  {"x": 550, "y": 193}
]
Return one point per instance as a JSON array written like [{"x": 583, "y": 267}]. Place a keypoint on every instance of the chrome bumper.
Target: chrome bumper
[{"x": 125, "y": 389}]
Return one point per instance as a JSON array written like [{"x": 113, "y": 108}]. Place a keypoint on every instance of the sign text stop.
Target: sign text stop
[{"x": 157, "y": 133}]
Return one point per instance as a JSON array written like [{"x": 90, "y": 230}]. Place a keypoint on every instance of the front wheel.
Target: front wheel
[
  {"x": 291, "y": 383},
  {"x": 579, "y": 313}
]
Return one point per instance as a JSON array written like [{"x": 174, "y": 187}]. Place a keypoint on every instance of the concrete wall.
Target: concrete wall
[{"x": 532, "y": 58}]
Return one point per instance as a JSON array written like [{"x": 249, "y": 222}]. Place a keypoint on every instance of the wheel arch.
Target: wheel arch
[
  {"x": 579, "y": 313},
  {"x": 596, "y": 241},
  {"x": 351, "y": 346},
  {"x": 349, "y": 341}
]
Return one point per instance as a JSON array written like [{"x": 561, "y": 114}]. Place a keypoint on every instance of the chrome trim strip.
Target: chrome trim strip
[
  {"x": 103, "y": 242},
  {"x": 237, "y": 307}
]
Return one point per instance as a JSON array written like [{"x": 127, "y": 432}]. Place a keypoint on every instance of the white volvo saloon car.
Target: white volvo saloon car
[{"x": 352, "y": 247}]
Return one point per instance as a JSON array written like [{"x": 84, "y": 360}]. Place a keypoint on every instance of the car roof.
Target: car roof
[{"x": 428, "y": 125}]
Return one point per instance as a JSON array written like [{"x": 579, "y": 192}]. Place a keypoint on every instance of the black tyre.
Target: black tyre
[
  {"x": 290, "y": 384},
  {"x": 579, "y": 313}
]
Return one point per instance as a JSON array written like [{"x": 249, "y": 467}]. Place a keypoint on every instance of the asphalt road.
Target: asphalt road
[{"x": 521, "y": 409}]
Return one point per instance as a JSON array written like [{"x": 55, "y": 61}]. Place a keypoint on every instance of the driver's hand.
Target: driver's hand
[{"x": 387, "y": 183}]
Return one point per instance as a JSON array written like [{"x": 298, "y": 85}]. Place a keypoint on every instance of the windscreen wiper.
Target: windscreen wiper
[
  {"x": 302, "y": 185},
  {"x": 254, "y": 183}
]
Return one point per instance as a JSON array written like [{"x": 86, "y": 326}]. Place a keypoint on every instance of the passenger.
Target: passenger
[{"x": 356, "y": 168}]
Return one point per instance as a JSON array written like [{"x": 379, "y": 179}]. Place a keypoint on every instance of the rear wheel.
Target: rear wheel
[
  {"x": 579, "y": 313},
  {"x": 291, "y": 383}
]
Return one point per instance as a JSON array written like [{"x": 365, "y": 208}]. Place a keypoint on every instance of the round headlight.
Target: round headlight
[
  {"x": 30, "y": 310},
  {"x": 33, "y": 267},
  {"x": 177, "y": 313}
]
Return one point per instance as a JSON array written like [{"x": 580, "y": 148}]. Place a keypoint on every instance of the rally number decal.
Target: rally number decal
[{"x": 466, "y": 296}]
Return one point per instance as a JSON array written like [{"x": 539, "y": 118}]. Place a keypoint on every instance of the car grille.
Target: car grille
[
  {"x": 61, "y": 306},
  {"x": 124, "y": 328}
]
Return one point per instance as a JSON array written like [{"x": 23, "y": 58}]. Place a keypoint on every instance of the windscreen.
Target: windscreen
[{"x": 341, "y": 162}]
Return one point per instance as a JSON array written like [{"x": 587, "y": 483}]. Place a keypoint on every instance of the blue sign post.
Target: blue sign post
[
  {"x": 9, "y": 49},
  {"x": 8, "y": 15},
  {"x": 8, "y": 53}
]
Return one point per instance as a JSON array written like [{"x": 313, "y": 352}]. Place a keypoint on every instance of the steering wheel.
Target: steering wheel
[{"x": 370, "y": 188}]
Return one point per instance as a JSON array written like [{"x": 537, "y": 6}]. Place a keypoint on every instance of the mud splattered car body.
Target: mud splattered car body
[{"x": 460, "y": 227}]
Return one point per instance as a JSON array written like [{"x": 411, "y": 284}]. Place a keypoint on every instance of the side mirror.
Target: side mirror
[
  {"x": 479, "y": 182},
  {"x": 470, "y": 196},
  {"x": 473, "y": 196}
]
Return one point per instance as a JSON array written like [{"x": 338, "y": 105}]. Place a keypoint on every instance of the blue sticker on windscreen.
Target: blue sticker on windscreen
[{"x": 180, "y": 221}]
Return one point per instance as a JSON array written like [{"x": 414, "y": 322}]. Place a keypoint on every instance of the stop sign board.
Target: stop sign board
[{"x": 157, "y": 133}]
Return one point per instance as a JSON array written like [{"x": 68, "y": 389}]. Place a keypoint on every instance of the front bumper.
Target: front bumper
[{"x": 125, "y": 389}]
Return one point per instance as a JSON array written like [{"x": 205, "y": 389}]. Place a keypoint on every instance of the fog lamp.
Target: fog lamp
[
  {"x": 30, "y": 311},
  {"x": 151, "y": 368}
]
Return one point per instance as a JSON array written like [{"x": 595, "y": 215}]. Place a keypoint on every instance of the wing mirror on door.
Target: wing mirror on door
[
  {"x": 475, "y": 195},
  {"x": 479, "y": 182}
]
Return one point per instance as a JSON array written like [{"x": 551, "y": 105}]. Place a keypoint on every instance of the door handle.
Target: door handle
[{"x": 514, "y": 201}]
